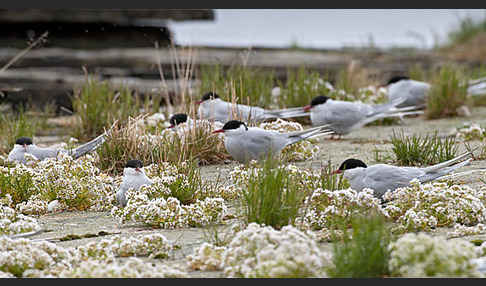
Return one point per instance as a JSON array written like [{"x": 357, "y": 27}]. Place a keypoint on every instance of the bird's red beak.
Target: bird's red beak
[
  {"x": 172, "y": 126},
  {"x": 25, "y": 146},
  {"x": 307, "y": 108},
  {"x": 218, "y": 131},
  {"x": 198, "y": 102},
  {"x": 336, "y": 172},
  {"x": 137, "y": 169}
]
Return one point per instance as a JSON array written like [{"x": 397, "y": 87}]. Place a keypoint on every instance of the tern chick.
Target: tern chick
[{"x": 133, "y": 178}]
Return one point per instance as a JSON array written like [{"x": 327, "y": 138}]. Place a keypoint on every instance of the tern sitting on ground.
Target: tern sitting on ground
[
  {"x": 212, "y": 107},
  {"x": 133, "y": 177},
  {"x": 415, "y": 92},
  {"x": 384, "y": 177},
  {"x": 24, "y": 145},
  {"x": 345, "y": 116},
  {"x": 253, "y": 143}
]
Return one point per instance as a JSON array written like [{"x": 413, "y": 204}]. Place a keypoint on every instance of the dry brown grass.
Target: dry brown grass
[
  {"x": 473, "y": 49},
  {"x": 132, "y": 141}
]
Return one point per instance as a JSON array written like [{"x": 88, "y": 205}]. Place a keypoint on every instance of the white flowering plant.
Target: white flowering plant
[
  {"x": 422, "y": 255},
  {"x": 470, "y": 131},
  {"x": 431, "y": 205},
  {"x": 206, "y": 257},
  {"x": 25, "y": 258},
  {"x": 13, "y": 222},
  {"x": 324, "y": 208},
  {"x": 300, "y": 151},
  {"x": 75, "y": 184},
  {"x": 263, "y": 252}
]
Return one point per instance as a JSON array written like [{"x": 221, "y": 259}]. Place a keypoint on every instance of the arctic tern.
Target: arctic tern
[
  {"x": 253, "y": 143},
  {"x": 415, "y": 92},
  {"x": 25, "y": 145},
  {"x": 212, "y": 107},
  {"x": 384, "y": 177},
  {"x": 345, "y": 116}
]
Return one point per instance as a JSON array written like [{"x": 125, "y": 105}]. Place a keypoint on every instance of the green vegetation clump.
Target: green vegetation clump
[
  {"x": 363, "y": 251},
  {"x": 418, "y": 150},
  {"x": 271, "y": 197},
  {"x": 448, "y": 92}
]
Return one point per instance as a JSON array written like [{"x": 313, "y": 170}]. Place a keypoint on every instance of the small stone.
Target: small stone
[
  {"x": 463, "y": 111},
  {"x": 53, "y": 206}
]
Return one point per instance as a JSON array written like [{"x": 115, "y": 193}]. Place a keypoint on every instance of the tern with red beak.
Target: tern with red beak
[
  {"x": 24, "y": 145},
  {"x": 212, "y": 107},
  {"x": 384, "y": 177},
  {"x": 253, "y": 143},
  {"x": 345, "y": 116},
  {"x": 133, "y": 178}
]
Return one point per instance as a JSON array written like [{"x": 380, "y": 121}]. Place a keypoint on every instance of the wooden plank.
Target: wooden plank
[{"x": 115, "y": 16}]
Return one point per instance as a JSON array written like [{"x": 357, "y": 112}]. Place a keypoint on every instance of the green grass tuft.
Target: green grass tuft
[
  {"x": 363, "y": 253},
  {"x": 417, "y": 150},
  {"x": 271, "y": 198}
]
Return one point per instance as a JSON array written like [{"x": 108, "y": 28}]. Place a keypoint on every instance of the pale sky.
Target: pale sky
[{"x": 322, "y": 28}]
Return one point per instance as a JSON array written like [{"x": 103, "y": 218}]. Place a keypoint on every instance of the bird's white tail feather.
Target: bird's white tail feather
[
  {"x": 440, "y": 173},
  {"x": 385, "y": 115},
  {"x": 383, "y": 108},
  {"x": 450, "y": 162},
  {"x": 460, "y": 174},
  {"x": 297, "y": 136},
  {"x": 286, "y": 113}
]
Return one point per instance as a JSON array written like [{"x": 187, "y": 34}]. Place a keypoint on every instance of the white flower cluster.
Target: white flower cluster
[
  {"x": 26, "y": 258},
  {"x": 206, "y": 257},
  {"x": 20, "y": 255},
  {"x": 431, "y": 205},
  {"x": 13, "y": 222},
  {"x": 168, "y": 213},
  {"x": 462, "y": 230},
  {"x": 155, "y": 119},
  {"x": 76, "y": 184},
  {"x": 261, "y": 251},
  {"x": 422, "y": 255},
  {"x": 152, "y": 245},
  {"x": 324, "y": 206},
  {"x": 470, "y": 131},
  {"x": 131, "y": 268},
  {"x": 300, "y": 151},
  {"x": 372, "y": 94}
]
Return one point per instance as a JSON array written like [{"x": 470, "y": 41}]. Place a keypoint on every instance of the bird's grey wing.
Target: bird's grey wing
[
  {"x": 259, "y": 143},
  {"x": 88, "y": 147},
  {"x": 43, "y": 153},
  {"x": 418, "y": 93},
  {"x": 382, "y": 177},
  {"x": 343, "y": 116}
]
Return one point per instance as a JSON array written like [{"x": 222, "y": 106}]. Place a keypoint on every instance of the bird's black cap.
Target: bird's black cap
[
  {"x": 397, "y": 78},
  {"x": 209, "y": 95},
  {"x": 178, "y": 118},
  {"x": 134, "y": 164},
  {"x": 351, "y": 164},
  {"x": 321, "y": 99},
  {"x": 234, "y": 124},
  {"x": 23, "y": 140}
]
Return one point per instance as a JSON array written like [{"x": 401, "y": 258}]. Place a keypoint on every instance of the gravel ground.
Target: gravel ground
[{"x": 359, "y": 144}]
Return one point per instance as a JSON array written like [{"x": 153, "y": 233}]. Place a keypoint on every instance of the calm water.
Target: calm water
[{"x": 318, "y": 28}]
